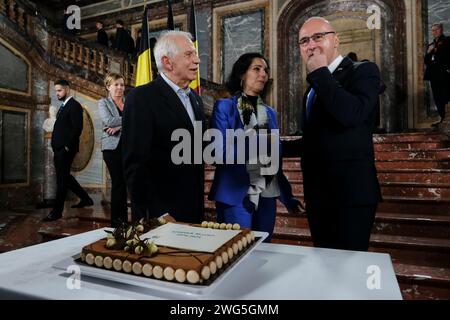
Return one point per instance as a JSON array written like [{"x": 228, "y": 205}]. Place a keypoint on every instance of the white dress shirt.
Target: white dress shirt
[{"x": 183, "y": 95}]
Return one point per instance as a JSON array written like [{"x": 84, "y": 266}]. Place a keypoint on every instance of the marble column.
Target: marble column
[{"x": 49, "y": 168}]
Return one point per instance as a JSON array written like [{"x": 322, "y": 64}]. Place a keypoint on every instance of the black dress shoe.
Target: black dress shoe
[
  {"x": 45, "y": 204},
  {"x": 84, "y": 203},
  {"x": 52, "y": 216}
]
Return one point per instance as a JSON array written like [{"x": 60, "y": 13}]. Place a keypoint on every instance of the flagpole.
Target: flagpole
[{"x": 148, "y": 41}]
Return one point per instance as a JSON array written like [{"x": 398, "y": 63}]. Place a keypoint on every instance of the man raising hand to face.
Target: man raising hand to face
[{"x": 337, "y": 157}]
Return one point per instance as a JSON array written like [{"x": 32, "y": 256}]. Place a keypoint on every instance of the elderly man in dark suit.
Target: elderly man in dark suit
[
  {"x": 65, "y": 144},
  {"x": 339, "y": 109},
  {"x": 152, "y": 113}
]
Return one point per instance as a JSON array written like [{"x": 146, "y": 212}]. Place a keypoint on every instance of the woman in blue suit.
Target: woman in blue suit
[{"x": 242, "y": 194}]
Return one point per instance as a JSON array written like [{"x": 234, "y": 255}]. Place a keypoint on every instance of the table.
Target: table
[{"x": 271, "y": 271}]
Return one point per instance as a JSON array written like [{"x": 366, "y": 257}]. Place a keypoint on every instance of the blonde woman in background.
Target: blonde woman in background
[{"x": 111, "y": 109}]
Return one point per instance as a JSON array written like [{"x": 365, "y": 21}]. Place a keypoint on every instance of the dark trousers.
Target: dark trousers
[
  {"x": 262, "y": 219},
  {"x": 441, "y": 94},
  {"x": 119, "y": 208},
  {"x": 64, "y": 180},
  {"x": 345, "y": 228}
]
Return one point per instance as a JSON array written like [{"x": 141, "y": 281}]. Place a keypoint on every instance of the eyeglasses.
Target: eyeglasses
[{"x": 316, "y": 37}]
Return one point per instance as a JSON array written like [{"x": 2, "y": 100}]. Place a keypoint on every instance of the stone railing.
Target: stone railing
[
  {"x": 90, "y": 56},
  {"x": 80, "y": 55},
  {"x": 15, "y": 12}
]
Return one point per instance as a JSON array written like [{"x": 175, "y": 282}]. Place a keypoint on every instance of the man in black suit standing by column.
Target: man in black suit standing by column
[
  {"x": 152, "y": 113},
  {"x": 339, "y": 109},
  {"x": 437, "y": 62},
  {"x": 65, "y": 144}
]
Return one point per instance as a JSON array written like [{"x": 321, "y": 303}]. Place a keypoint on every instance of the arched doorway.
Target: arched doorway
[{"x": 385, "y": 46}]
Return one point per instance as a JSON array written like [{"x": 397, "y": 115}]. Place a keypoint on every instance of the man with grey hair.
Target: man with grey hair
[
  {"x": 152, "y": 113},
  {"x": 337, "y": 155},
  {"x": 437, "y": 62}
]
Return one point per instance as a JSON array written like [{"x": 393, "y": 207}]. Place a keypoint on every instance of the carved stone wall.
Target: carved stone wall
[{"x": 385, "y": 46}]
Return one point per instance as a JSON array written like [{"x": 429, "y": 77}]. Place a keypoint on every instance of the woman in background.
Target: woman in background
[{"x": 111, "y": 109}]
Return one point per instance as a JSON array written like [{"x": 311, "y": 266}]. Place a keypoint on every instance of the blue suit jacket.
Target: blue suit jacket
[{"x": 231, "y": 181}]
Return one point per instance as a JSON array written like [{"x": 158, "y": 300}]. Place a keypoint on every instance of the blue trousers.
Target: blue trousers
[{"x": 245, "y": 214}]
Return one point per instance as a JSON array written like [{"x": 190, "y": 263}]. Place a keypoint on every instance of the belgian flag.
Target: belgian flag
[
  {"x": 170, "y": 23},
  {"x": 195, "y": 85},
  {"x": 144, "y": 64}
]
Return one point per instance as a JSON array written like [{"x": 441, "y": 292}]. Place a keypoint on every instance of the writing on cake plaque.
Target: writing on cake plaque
[{"x": 190, "y": 238}]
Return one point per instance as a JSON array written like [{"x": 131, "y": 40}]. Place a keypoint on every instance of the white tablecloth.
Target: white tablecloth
[{"x": 271, "y": 271}]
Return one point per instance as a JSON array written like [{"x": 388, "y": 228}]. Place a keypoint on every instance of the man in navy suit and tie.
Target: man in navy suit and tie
[
  {"x": 337, "y": 155},
  {"x": 65, "y": 144}
]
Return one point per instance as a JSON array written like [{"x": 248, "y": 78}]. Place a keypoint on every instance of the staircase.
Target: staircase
[{"x": 413, "y": 222}]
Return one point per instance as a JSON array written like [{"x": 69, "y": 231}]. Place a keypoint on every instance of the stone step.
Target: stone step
[
  {"x": 411, "y": 189},
  {"x": 412, "y": 164},
  {"x": 424, "y": 274},
  {"x": 411, "y": 145},
  {"x": 388, "y": 223},
  {"x": 414, "y": 175},
  {"x": 395, "y": 204},
  {"x": 410, "y": 205},
  {"x": 419, "y": 291},
  {"x": 409, "y": 250},
  {"x": 409, "y": 137},
  {"x": 437, "y": 154},
  {"x": 423, "y": 282}
]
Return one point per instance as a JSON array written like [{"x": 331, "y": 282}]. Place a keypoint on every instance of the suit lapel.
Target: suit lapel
[
  {"x": 198, "y": 111},
  {"x": 66, "y": 107},
  {"x": 341, "y": 72},
  {"x": 305, "y": 97},
  {"x": 112, "y": 107},
  {"x": 174, "y": 103}
]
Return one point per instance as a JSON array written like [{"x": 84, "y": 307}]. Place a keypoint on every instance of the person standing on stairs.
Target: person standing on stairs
[
  {"x": 437, "y": 62},
  {"x": 65, "y": 144},
  {"x": 102, "y": 36},
  {"x": 337, "y": 154}
]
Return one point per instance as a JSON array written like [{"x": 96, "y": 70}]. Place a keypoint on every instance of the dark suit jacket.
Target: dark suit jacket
[
  {"x": 102, "y": 37},
  {"x": 68, "y": 127},
  {"x": 123, "y": 41},
  {"x": 152, "y": 113},
  {"x": 439, "y": 67},
  {"x": 337, "y": 149}
]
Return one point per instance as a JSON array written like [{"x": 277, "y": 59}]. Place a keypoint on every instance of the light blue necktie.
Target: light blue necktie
[{"x": 310, "y": 102}]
